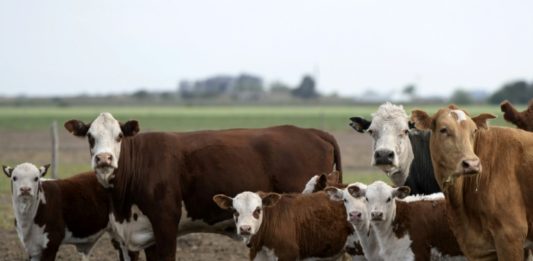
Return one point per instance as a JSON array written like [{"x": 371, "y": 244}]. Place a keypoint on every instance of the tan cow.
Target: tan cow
[{"x": 487, "y": 177}]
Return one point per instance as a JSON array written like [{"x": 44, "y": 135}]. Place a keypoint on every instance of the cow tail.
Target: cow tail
[{"x": 336, "y": 151}]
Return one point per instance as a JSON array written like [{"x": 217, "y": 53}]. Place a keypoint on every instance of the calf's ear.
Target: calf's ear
[
  {"x": 333, "y": 178},
  {"x": 421, "y": 119},
  {"x": 401, "y": 192},
  {"x": 7, "y": 170},
  {"x": 481, "y": 120},
  {"x": 334, "y": 193},
  {"x": 359, "y": 124},
  {"x": 77, "y": 128},
  {"x": 43, "y": 170},
  {"x": 130, "y": 128},
  {"x": 270, "y": 199},
  {"x": 356, "y": 191},
  {"x": 223, "y": 201},
  {"x": 321, "y": 183}
]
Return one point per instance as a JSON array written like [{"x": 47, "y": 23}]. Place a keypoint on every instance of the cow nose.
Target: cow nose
[
  {"x": 104, "y": 158},
  {"x": 384, "y": 157},
  {"x": 245, "y": 229},
  {"x": 471, "y": 166},
  {"x": 25, "y": 190},
  {"x": 355, "y": 215},
  {"x": 376, "y": 215}
]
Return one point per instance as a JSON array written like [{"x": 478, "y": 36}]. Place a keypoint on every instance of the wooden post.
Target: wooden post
[{"x": 55, "y": 148}]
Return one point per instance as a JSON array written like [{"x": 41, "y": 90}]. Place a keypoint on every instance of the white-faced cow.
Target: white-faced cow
[
  {"x": 171, "y": 177},
  {"x": 413, "y": 229},
  {"x": 54, "y": 212},
  {"x": 358, "y": 216},
  {"x": 486, "y": 175},
  {"x": 289, "y": 226},
  {"x": 399, "y": 150}
]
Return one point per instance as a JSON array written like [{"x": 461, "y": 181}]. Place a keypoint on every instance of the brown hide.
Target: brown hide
[
  {"x": 427, "y": 225},
  {"x": 493, "y": 210},
  {"x": 522, "y": 120},
  {"x": 301, "y": 226},
  {"x": 158, "y": 171}
]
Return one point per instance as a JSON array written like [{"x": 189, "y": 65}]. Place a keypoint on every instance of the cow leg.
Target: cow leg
[
  {"x": 49, "y": 253},
  {"x": 150, "y": 253},
  {"x": 165, "y": 226},
  {"x": 509, "y": 246}
]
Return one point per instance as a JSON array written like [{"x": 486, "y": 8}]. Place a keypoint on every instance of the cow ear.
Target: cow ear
[
  {"x": 130, "y": 128},
  {"x": 321, "y": 183},
  {"x": 359, "y": 124},
  {"x": 7, "y": 170},
  {"x": 223, "y": 201},
  {"x": 401, "y": 192},
  {"x": 334, "y": 193},
  {"x": 481, "y": 120},
  {"x": 77, "y": 128},
  {"x": 356, "y": 191},
  {"x": 510, "y": 114},
  {"x": 270, "y": 199},
  {"x": 43, "y": 170},
  {"x": 421, "y": 119}
]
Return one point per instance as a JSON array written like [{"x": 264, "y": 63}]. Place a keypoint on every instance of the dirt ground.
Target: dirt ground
[{"x": 18, "y": 147}]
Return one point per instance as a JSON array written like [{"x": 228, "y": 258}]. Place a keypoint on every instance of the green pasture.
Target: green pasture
[{"x": 195, "y": 118}]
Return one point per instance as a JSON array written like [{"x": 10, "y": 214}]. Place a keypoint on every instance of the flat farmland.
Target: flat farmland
[{"x": 25, "y": 136}]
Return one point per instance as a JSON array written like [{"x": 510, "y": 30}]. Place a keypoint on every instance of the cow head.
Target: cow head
[
  {"x": 104, "y": 135},
  {"x": 391, "y": 151},
  {"x": 452, "y": 141},
  {"x": 353, "y": 197},
  {"x": 25, "y": 179},
  {"x": 380, "y": 201},
  {"x": 247, "y": 210}
]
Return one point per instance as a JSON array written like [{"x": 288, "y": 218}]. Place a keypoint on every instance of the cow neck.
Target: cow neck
[
  {"x": 263, "y": 235},
  {"x": 363, "y": 232},
  {"x": 126, "y": 177},
  {"x": 26, "y": 210}
]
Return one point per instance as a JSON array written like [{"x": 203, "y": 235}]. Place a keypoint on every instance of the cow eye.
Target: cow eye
[
  {"x": 91, "y": 140},
  {"x": 345, "y": 201},
  {"x": 388, "y": 199},
  {"x": 366, "y": 199},
  {"x": 443, "y": 130},
  {"x": 35, "y": 179},
  {"x": 370, "y": 132},
  {"x": 257, "y": 212},
  {"x": 14, "y": 178},
  {"x": 236, "y": 214},
  {"x": 120, "y": 136}
]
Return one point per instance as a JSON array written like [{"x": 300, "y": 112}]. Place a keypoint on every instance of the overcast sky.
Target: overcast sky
[{"x": 100, "y": 46}]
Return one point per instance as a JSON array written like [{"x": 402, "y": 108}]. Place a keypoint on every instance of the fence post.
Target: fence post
[{"x": 55, "y": 147}]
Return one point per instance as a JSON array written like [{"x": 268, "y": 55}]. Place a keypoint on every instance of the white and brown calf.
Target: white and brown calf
[
  {"x": 358, "y": 215},
  {"x": 289, "y": 226},
  {"x": 54, "y": 212},
  {"x": 415, "y": 228}
]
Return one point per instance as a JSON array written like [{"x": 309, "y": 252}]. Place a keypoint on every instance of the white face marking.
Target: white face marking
[
  {"x": 245, "y": 205},
  {"x": 461, "y": 115},
  {"x": 380, "y": 199},
  {"x": 356, "y": 210},
  {"x": 26, "y": 180},
  {"x": 389, "y": 129},
  {"x": 106, "y": 132},
  {"x": 310, "y": 185}
]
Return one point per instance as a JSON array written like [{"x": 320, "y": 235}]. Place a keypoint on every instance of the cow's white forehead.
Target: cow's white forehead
[
  {"x": 460, "y": 115},
  {"x": 104, "y": 121},
  {"x": 26, "y": 169},
  {"x": 390, "y": 113},
  {"x": 247, "y": 202},
  {"x": 379, "y": 189}
]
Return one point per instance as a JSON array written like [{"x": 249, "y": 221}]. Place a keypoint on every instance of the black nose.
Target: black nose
[{"x": 383, "y": 157}]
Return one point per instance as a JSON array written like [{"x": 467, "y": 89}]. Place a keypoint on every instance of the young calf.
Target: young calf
[
  {"x": 54, "y": 212},
  {"x": 359, "y": 217},
  {"x": 289, "y": 226},
  {"x": 415, "y": 228}
]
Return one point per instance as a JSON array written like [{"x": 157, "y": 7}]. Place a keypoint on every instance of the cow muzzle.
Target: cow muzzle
[
  {"x": 376, "y": 216},
  {"x": 245, "y": 230},
  {"x": 471, "y": 166},
  {"x": 383, "y": 157},
  {"x": 355, "y": 217}
]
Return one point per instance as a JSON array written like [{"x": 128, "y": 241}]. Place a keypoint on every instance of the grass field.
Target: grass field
[{"x": 195, "y": 118}]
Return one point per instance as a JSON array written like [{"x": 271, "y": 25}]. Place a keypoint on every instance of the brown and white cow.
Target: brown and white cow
[
  {"x": 170, "y": 178},
  {"x": 289, "y": 226},
  {"x": 409, "y": 227},
  {"x": 54, "y": 212},
  {"x": 485, "y": 174},
  {"x": 358, "y": 215},
  {"x": 522, "y": 120}
]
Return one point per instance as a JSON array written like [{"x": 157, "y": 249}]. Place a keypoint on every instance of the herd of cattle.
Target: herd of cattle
[{"x": 260, "y": 186}]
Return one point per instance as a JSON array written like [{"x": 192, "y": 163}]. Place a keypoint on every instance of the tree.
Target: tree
[
  {"x": 518, "y": 92},
  {"x": 306, "y": 89},
  {"x": 461, "y": 97}
]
